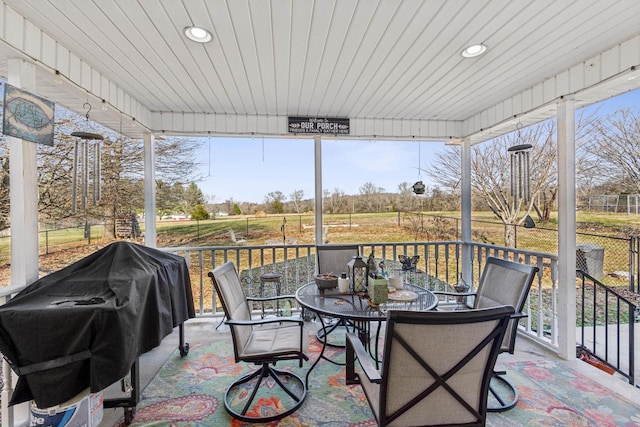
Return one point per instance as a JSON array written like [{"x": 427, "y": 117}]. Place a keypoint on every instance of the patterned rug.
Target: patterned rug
[{"x": 189, "y": 392}]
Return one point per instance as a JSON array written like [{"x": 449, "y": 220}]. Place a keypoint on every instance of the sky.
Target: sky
[{"x": 247, "y": 169}]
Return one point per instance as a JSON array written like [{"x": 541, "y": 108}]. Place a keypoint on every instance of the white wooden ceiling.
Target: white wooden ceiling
[{"x": 392, "y": 66}]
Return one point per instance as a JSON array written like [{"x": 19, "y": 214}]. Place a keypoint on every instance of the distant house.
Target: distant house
[{"x": 222, "y": 214}]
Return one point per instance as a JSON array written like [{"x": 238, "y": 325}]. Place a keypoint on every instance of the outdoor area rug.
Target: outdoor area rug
[{"x": 189, "y": 392}]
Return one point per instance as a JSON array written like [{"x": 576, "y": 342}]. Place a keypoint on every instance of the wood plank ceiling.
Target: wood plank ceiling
[{"x": 381, "y": 63}]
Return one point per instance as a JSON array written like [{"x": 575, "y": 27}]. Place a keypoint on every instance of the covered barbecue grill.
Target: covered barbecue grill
[{"x": 87, "y": 324}]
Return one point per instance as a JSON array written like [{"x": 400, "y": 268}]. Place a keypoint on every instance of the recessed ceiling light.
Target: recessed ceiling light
[
  {"x": 198, "y": 34},
  {"x": 474, "y": 50}
]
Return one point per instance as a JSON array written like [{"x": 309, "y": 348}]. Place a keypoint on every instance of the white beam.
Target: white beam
[
  {"x": 318, "y": 188},
  {"x": 465, "y": 186},
  {"x": 566, "y": 230},
  {"x": 23, "y": 189},
  {"x": 150, "y": 234}
]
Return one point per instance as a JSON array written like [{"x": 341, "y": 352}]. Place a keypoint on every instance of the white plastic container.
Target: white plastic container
[{"x": 85, "y": 409}]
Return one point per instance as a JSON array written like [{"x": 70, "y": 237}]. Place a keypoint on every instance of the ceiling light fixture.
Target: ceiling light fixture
[
  {"x": 474, "y": 50},
  {"x": 198, "y": 34}
]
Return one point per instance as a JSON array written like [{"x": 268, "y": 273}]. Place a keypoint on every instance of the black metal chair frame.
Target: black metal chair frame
[
  {"x": 508, "y": 399},
  {"x": 355, "y": 349},
  {"x": 265, "y": 361}
]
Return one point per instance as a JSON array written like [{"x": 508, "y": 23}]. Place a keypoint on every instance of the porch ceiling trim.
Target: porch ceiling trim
[{"x": 593, "y": 80}]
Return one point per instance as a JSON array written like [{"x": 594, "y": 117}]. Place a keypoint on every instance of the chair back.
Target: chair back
[
  {"x": 437, "y": 366},
  {"x": 333, "y": 259},
  {"x": 227, "y": 284},
  {"x": 505, "y": 283}
]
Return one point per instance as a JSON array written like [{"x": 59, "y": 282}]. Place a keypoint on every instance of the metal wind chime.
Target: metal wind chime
[
  {"x": 520, "y": 171},
  {"x": 520, "y": 176},
  {"x": 87, "y": 166}
]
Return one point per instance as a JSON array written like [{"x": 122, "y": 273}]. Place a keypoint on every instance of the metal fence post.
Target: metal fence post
[{"x": 633, "y": 253}]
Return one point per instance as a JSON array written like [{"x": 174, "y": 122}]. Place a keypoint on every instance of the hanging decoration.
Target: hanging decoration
[
  {"x": 520, "y": 176},
  {"x": 419, "y": 187},
  {"x": 87, "y": 166}
]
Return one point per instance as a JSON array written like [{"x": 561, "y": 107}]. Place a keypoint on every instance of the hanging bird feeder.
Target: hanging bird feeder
[{"x": 418, "y": 187}]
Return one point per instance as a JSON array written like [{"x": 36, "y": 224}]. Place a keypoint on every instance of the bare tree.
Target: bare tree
[
  {"x": 406, "y": 197},
  {"x": 490, "y": 165},
  {"x": 615, "y": 147},
  {"x": 370, "y": 197},
  {"x": 336, "y": 201},
  {"x": 296, "y": 199},
  {"x": 121, "y": 171}
]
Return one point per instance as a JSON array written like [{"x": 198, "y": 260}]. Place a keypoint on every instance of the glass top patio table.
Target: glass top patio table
[{"x": 356, "y": 308}]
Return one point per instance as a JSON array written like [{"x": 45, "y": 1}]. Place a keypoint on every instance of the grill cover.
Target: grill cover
[{"x": 86, "y": 324}]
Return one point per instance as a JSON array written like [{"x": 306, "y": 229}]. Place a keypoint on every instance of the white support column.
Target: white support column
[
  {"x": 318, "y": 188},
  {"x": 23, "y": 194},
  {"x": 150, "y": 233},
  {"x": 23, "y": 189},
  {"x": 465, "y": 188},
  {"x": 566, "y": 229}
]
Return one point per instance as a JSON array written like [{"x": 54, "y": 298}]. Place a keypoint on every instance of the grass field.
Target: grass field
[{"x": 60, "y": 247}]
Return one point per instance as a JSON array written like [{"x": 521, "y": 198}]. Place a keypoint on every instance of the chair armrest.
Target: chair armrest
[
  {"x": 277, "y": 297},
  {"x": 265, "y": 321},
  {"x": 355, "y": 348},
  {"x": 455, "y": 294}
]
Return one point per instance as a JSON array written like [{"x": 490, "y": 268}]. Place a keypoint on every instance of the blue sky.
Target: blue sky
[{"x": 247, "y": 169}]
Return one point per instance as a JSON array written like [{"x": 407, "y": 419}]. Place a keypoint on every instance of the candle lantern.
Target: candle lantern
[{"x": 358, "y": 273}]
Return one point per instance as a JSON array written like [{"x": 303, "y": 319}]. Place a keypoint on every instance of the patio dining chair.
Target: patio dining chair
[
  {"x": 262, "y": 342},
  {"x": 333, "y": 259},
  {"x": 502, "y": 282},
  {"x": 427, "y": 378}
]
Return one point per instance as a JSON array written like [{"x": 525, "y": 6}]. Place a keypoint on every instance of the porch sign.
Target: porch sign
[
  {"x": 27, "y": 116},
  {"x": 330, "y": 125}
]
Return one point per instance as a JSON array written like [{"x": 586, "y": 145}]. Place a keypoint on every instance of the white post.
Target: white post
[
  {"x": 318, "y": 188},
  {"x": 23, "y": 193},
  {"x": 465, "y": 188},
  {"x": 150, "y": 234},
  {"x": 566, "y": 230},
  {"x": 23, "y": 189}
]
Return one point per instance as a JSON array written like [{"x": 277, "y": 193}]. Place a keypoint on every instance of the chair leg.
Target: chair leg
[
  {"x": 503, "y": 395},
  {"x": 239, "y": 401}
]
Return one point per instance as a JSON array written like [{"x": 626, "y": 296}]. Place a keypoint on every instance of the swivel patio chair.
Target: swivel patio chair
[
  {"x": 262, "y": 342},
  {"x": 502, "y": 282},
  {"x": 427, "y": 378},
  {"x": 333, "y": 259}
]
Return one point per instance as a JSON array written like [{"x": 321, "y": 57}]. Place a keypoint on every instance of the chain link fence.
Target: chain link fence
[{"x": 612, "y": 259}]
